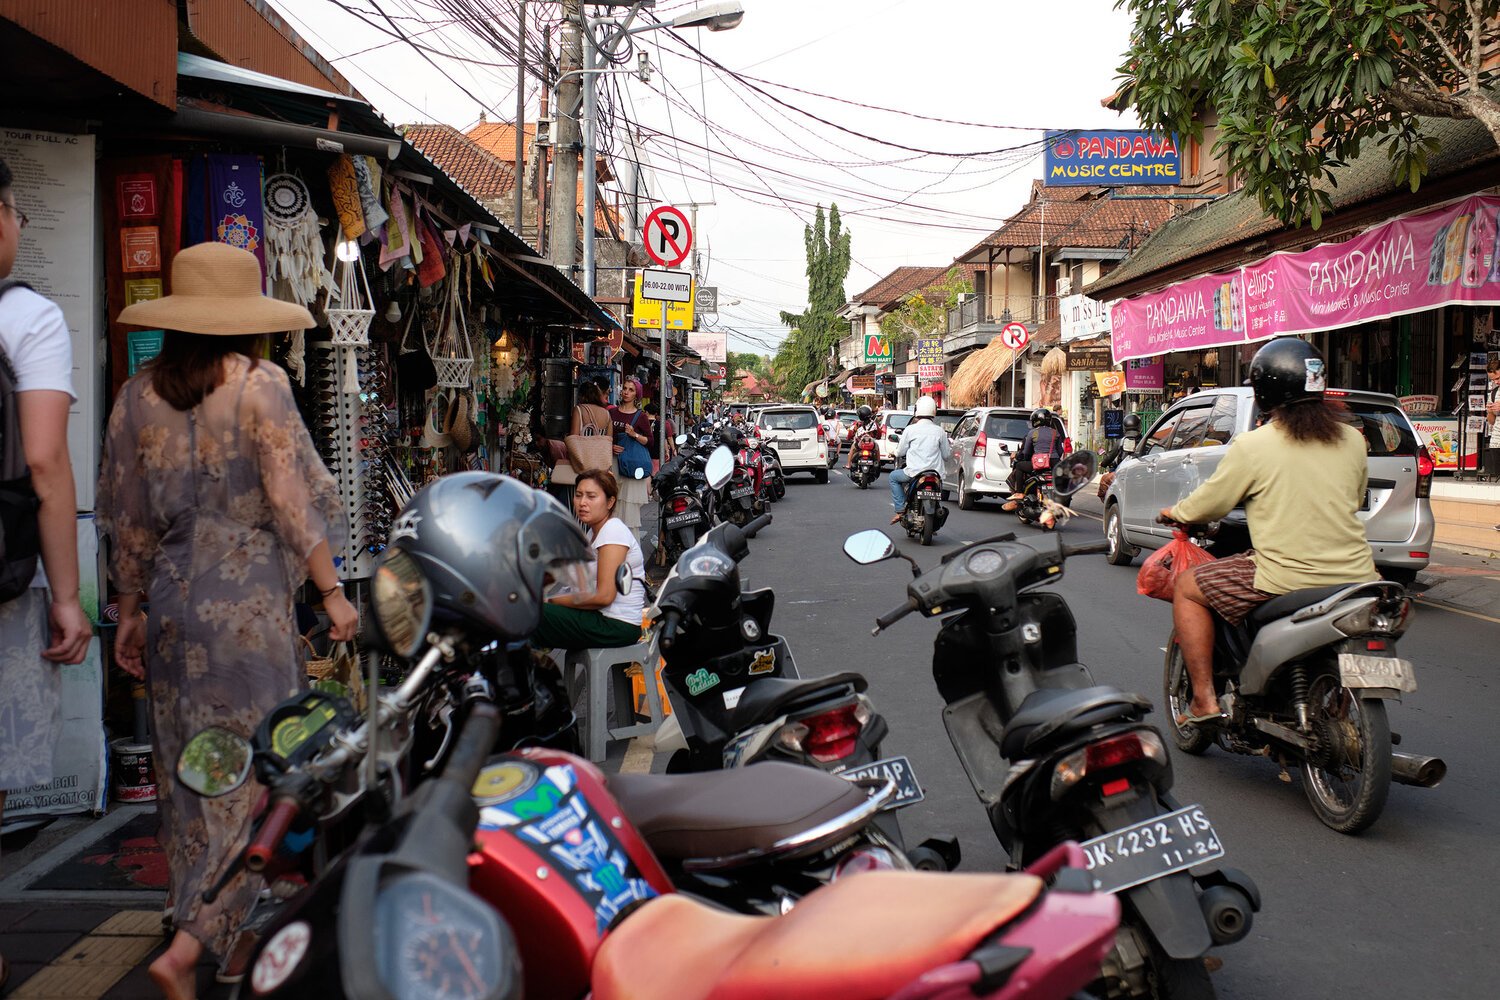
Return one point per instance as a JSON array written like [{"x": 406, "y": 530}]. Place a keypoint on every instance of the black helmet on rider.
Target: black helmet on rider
[
  {"x": 1132, "y": 422},
  {"x": 1040, "y": 416},
  {"x": 1287, "y": 370},
  {"x": 491, "y": 548},
  {"x": 865, "y": 413}
]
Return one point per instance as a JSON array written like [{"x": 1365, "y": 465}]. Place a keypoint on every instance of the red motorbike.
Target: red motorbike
[{"x": 864, "y": 466}]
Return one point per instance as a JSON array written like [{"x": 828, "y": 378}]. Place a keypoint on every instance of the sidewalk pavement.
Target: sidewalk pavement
[{"x": 1463, "y": 581}]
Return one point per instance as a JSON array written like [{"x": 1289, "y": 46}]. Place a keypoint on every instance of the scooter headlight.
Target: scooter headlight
[{"x": 402, "y": 601}]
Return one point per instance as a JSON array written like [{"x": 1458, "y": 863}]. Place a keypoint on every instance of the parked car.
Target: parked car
[
  {"x": 797, "y": 434},
  {"x": 1183, "y": 448},
  {"x": 981, "y": 469}
]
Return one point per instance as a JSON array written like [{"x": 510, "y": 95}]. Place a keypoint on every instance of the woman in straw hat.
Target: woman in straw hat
[{"x": 218, "y": 508}]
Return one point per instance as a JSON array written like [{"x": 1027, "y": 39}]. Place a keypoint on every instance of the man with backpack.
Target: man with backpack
[{"x": 42, "y": 623}]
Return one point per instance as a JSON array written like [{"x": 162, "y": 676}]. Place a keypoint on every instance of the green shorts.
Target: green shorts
[{"x": 563, "y": 627}]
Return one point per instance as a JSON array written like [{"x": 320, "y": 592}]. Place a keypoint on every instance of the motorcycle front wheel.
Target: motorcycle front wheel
[{"x": 1348, "y": 779}]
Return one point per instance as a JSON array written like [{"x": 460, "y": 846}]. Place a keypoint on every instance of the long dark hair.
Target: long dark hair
[
  {"x": 191, "y": 365},
  {"x": 1311, "y": 420}
]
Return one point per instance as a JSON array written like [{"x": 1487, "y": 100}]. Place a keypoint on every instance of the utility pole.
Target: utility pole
[
  {"x": 520, "y": 191},
  {"x": 566, "y": 143}
]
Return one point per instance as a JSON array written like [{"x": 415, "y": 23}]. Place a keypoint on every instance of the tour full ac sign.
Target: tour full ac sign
[{"x": 1111, "y": 158}]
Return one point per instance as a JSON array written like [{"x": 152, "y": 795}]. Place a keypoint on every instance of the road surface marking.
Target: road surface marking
[{"x": 1457, "y": 611}]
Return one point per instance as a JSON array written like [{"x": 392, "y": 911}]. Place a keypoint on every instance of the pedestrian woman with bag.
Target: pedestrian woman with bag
[
  {"x": 632, "y": 434},
  {"x": 589, "y": 443},
  {"x": 218, "y": 508}
]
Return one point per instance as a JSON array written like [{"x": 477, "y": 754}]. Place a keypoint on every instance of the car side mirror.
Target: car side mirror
[
  {"x": 866, "y": 547},
  {"x": 215, "y": 762}
]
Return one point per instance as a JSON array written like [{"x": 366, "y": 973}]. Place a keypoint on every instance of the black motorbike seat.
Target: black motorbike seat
[
  {"x": 719, "y": 814},
  {"x": 1049, "y": 713},
  {"x": 765, "y": 698},
  {"x": 1289, "y": 604}
]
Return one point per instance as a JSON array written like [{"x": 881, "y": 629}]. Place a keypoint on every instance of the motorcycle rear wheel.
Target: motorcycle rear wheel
[
  {"x": 929, "y": 520},
  {"x": 1180, "y": 979},
  {"x": 1348, "y": 795},
  {"x": 1177, "y": 695}
]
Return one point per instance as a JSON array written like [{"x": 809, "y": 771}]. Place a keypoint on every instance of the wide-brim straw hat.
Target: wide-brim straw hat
[{"x": 216, "y": 290}]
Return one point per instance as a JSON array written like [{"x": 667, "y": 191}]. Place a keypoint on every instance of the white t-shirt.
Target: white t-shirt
[
  {"x": 35, "y": 338},
  {"x": 625, "y": 607}
]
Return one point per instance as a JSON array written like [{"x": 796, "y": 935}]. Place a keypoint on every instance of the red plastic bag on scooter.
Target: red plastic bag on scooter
[{"x": 1159, "y": 573}]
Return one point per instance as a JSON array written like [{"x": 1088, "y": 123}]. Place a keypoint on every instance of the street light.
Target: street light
[{"x": 714, "y": 17}]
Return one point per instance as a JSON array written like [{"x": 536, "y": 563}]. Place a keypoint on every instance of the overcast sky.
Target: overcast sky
[{"x": 986, "y": 63}]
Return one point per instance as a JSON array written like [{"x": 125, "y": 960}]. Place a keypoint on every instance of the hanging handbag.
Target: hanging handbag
[
  {"x": 591, "y": 449},
  {"x": 636, "y": 457},
  {"x": 338, "y": 673}
]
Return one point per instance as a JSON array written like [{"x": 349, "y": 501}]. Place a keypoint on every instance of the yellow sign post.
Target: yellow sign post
[{"x": 679, "y": 315}]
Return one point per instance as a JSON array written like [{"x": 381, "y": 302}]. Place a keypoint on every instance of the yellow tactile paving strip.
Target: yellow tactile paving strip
[{"x": 92, "y": 965}]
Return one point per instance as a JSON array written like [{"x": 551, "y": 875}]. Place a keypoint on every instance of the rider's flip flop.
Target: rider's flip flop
[{"x": 1198, "y": 720}]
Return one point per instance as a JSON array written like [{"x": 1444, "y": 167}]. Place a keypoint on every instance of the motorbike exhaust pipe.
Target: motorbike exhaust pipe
[
  {"x": 1228, "y": 913},
  {"x": 1415, "y": 769}
]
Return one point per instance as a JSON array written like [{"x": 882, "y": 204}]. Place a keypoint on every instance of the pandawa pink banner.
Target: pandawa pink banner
[
  {"x": 1190, "y": 315},
  {"x": 1419, "y": 262}
]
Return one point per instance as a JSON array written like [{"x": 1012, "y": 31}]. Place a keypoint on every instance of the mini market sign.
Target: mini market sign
[{"x": 878, "y": 349}]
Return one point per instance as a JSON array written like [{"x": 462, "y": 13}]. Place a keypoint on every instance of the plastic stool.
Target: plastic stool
[{"x": 596, "y": 669}]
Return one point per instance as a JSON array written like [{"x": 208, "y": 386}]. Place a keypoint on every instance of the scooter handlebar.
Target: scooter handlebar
[
  {"x": 890, "y": 618},
  {"x": 278, "y": 821},
  {"x": 1089, "y": 549},
  {"x": 755, "y": 525},
  {"x": 670, "y": 619}
]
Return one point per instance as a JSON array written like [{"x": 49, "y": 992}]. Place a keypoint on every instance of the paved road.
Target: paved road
[{"x": 1408, "y": 909}]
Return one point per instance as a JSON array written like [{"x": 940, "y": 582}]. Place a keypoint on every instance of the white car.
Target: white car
[
  {"x": 889, "y": 424},
  {"x": 797, "y": 434}
]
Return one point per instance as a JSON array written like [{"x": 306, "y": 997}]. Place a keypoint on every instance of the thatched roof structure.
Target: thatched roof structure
[{"x": 971, "y": 382}]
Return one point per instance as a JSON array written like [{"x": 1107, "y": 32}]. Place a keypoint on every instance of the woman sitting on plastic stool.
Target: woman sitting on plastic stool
[{"x": 605, "y": 617}]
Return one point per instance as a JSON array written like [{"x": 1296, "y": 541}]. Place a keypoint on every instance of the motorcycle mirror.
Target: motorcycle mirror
[
  {"x": 681, "y": 440},
  {"x": 215, "y": 762},
  {"x": 866, "y": 547},
  {"x": 624, "y": 582},
  {"x": 1074, "y": 472},
  {"x": 719, "y": 467}
]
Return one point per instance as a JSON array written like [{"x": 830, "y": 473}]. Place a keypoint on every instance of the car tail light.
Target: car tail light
[
  {"x": 1424, "y": 471},
  {"x": 1105, "y": 755},
  {"x": 1420, "y": 555},
  {"x": 822, "y": 434},
  {"x": 833, "y": 735},
  {"x": 679, "y": 505},
  {"x": 1335, "y": 393},
  {"x": 980, "y": 444}
]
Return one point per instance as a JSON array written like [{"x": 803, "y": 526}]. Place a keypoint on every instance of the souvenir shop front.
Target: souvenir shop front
[{"x": 437, "y": 326}]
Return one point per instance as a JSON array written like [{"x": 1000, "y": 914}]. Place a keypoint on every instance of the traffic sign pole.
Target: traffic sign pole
[
  {"x": 661, "y": 402},
  {"x": 1015, "y": 336}
]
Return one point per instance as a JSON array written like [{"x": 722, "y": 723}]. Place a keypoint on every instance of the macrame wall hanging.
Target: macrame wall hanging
[
  {"x": 451, "y": 350},
  {"x": 349, "y": 322},
  {"x": 294, "y": 255}
]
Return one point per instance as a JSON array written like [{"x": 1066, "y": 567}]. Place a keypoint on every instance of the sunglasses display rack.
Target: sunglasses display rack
[{"x": 352, "y": 440}]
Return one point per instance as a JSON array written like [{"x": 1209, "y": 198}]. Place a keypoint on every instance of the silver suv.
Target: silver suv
[
  {"x": 1182, "y": 449},
  {"x": 980, "y": 468}
]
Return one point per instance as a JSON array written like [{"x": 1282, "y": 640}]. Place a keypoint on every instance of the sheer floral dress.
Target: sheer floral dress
[{"x": 212, "y": 512}]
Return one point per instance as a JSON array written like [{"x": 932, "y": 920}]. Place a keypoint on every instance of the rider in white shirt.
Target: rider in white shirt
[{"x": 925, "y": 446}]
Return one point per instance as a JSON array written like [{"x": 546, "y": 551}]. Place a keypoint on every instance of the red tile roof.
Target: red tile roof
[
  {"x": 1079, "y": 217},
  {"x": 485, "y": 176},
  {"x": 904, "y": 281},
  {"x": 499, "y": 140}
]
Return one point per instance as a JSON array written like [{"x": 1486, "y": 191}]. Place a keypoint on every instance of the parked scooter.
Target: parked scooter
[
  {"x": 686, "y": 507},
  {"x": 1052, "y": 756},
  {"x": 1305, "y": 679}
]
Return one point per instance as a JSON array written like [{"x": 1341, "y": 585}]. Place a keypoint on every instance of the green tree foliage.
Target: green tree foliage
[
  {"x": 803, "y": 356},
  {"x": 757, "y": 364},
  {"x": 1301, "y": 85},
  {"x": 924, "y": 313}
]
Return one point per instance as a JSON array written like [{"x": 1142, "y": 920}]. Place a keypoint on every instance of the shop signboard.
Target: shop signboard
[
  {"x": 648, "y": 312},
  {"x": 1110, "y": 383},
  {"x": 930, "y": 373},
  {"x": 928, "y": 351},
  {"x": 878, "y": 349},
  {"x": 1191, "y": 315},
  {"x": 1111, "y": 158},
  {"x": 1419, "y": 404},
  {"x": 714, "y": 347},
  {"x": 1440, "y": 434},
  {"x": 906, "y": 381},
  {"x": 1147, "y": 376},
  {"x": 1114, "y": 424},
  {"x": 1082, "y": 317},
  {"x": 54, "y": 186},
  {"x": 862, "y": 383},
  {"x": 1089, "y": 358},
  {"x": 1412, "y": 264}
]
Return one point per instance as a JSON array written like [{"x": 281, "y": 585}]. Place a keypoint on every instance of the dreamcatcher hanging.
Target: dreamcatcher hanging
[
  {"x": 294, "y": 254},
  {"x": 349, "y": 322},
  {"x": 450, "y": 348}
]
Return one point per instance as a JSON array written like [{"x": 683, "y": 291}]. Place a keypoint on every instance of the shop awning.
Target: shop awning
[
  {"x": 978, "y": 372},
  {"x": 933, "y": 387}
]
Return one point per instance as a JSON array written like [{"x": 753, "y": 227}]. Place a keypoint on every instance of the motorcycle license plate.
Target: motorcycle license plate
[
  {"x": 684, "y": 519},
  {"x": 897, "y": 769},
  {"x": 1152, "y": 848},
  {"x": 929, "y": 495},
  {"x": 1357, "y": 670},
  {"x": 741, "y": 491}
]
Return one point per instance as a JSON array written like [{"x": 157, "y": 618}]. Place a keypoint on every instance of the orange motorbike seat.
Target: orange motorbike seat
[{"x": 862, "y": 938}]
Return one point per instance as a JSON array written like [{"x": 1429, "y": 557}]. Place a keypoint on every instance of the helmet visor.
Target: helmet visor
[{"x": 569, "y": 576}]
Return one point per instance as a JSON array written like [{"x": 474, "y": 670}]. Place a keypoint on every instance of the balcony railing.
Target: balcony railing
[{"x": 971, "y": 314}]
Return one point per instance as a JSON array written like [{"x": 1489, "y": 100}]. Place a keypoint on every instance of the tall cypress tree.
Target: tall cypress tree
[{"x": 817, "y": 329}]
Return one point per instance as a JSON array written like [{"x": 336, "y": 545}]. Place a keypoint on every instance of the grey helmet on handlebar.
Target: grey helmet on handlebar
[{"x": 491, "y": 548}]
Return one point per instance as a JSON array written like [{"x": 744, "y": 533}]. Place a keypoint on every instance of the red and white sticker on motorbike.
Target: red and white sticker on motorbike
[{"x": 280, "y": 958}]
